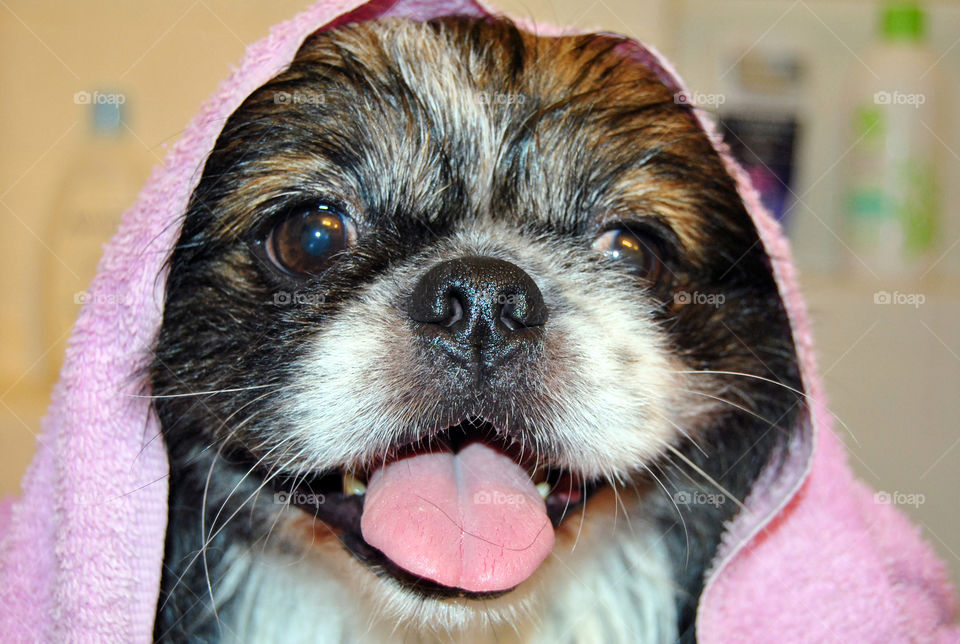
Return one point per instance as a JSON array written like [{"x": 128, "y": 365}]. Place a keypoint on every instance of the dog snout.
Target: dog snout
[{"x": 478, "y": 309}]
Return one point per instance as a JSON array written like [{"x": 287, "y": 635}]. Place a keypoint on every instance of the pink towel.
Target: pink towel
[{"x": 812, "y": 559}]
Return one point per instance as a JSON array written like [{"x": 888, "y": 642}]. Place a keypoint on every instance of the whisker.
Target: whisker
[
  {"x": 583, "y": 511},
  {"x": 203, "y": 514},
  {"x": 696, "y": 468},
  {"x": 745, "y": 375},
  {"x": 618, "y": 505},
  {"x": 773, "y": 382},
  {"x": 276, "y": 520},
  {"x": 742, "y": 408},
  {"x": 200, "y": 393},
  {"x": 209, "y": 583},
  {"x": 203, "y": 507},
  {"x": 673, "y": 500},
  {"x": 243, "y": 478},
  {"x": 683, "y": 432},
  {"x": 265, "y": 482},
  {"x": 186, "y": 569}
]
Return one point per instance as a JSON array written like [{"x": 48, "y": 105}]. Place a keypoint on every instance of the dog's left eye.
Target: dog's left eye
[
  {"x": 643, "y": 255},
  {"x": 305, "y": 241}
]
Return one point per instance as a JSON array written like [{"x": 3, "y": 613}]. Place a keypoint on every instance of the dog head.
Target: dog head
[{"x": 446, "y": 283}]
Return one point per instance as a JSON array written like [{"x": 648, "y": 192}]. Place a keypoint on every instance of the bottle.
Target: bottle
[
  {"x": 891, "y": 195},
  {"x": 102, "y": 179}
]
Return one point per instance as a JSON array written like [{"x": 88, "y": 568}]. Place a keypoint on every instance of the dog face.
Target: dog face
[{"x": 430, "y": 264}]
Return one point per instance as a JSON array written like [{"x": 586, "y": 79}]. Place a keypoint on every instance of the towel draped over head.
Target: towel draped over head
[{"x": 812, "y": 558}]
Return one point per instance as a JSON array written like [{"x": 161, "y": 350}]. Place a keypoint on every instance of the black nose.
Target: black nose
[{"x": 479, "y": 308}]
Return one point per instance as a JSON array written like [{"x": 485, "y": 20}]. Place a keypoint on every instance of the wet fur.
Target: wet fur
[{"x": 400, "y": 125}]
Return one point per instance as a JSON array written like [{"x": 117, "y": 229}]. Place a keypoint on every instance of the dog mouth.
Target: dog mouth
[{"x": 467, "y": 512}]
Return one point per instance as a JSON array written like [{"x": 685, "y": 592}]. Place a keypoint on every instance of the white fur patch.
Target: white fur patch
[{"x": 614, "y": 587}]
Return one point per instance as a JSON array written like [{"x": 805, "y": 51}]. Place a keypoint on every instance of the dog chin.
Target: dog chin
[{"x": 603, "y": 562}]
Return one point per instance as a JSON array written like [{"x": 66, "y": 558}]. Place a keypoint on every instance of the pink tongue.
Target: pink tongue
[{"x": 471, "y": 520}]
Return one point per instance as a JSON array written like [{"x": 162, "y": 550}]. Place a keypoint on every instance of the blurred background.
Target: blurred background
[{"x": 843, "y": 113}]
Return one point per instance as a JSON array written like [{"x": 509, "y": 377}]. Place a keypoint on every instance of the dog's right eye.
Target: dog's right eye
[{"x": 306, "y": 241}]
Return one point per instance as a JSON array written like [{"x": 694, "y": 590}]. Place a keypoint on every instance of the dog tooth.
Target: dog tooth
[
  {"x": 352, "y": 485},
  {"x": 543, "y": 489}
]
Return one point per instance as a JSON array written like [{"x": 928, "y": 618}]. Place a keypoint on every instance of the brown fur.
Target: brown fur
[{"x": 568, "y": 99}]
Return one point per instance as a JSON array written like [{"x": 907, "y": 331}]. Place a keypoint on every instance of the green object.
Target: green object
[
  {"x": 869, "y": 125},
  {"x": 870, "y": 204},
  {"x": 918, "y": 207},
  {"x": 903, "y": 22}
]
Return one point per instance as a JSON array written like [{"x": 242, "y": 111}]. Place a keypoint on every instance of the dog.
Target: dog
[{"x": 468, "y": 336}]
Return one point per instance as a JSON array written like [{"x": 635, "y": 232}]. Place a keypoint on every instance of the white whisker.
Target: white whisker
[
  {"x": 706, "y": 476},
  {"x": 773, "y": 382},
  {"x": 200, "y": 393}
]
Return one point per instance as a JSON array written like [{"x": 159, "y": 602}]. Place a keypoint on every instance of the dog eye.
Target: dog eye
[
  {"x": 305, "y": 242},
  {"x": 641, "y": 253}
]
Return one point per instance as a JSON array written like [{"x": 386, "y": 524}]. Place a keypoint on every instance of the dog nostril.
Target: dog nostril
[
  {"x": 510, "y": 317},
  {"x": 455, "y": 312}
]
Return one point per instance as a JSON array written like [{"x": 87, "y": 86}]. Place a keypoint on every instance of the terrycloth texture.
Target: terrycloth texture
[
  {"x": 81, "y": 553},
  {"x": 833, "y": 567}
]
